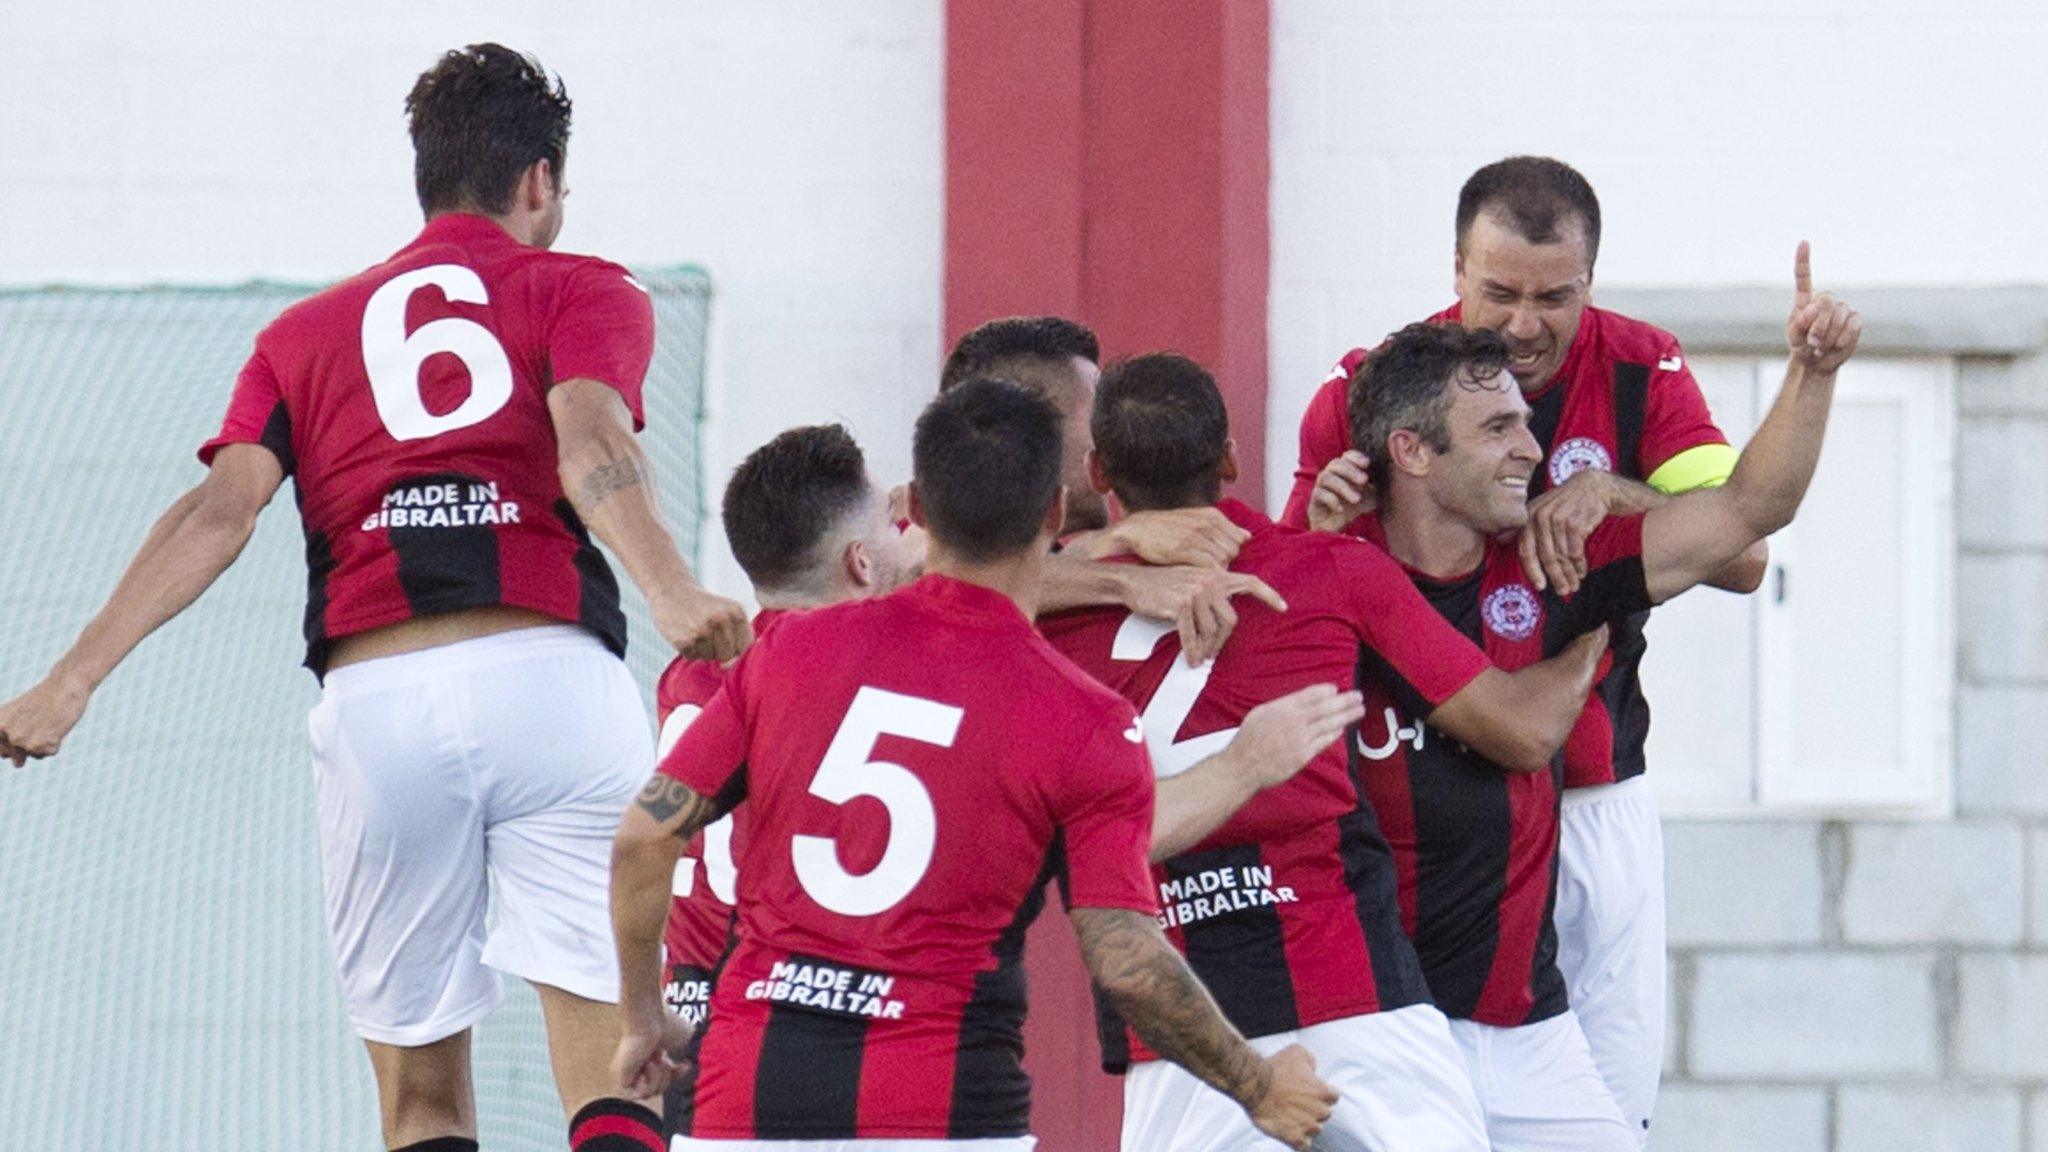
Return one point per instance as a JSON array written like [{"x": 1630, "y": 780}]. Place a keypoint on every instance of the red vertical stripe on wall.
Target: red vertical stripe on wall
[
  {"x": 1014, "y": 140},
  {"x": 1106, "y": 160},
  {"x": 1176, "y": 252}
]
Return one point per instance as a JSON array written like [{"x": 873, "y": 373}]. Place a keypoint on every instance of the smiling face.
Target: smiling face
[
  {"x": 1534, "y": 295},
  {"x": 1483, "y": 479}
]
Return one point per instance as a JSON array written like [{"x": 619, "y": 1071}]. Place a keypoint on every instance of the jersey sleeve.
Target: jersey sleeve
[
  {"x": 1681, "y": 448},
  {"x": 603, "y": 330},
  {"x": 1614, "y": 586},
  {"x": 256, "y": 415},
  {"x": 1102, "y": 801},
  {"x": 1418, "y": 654},
  {"x": 710, "y": 755},
  {"x": 1325, "y": 434}
]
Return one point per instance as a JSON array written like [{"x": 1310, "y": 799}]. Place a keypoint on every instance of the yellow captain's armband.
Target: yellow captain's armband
[{"x": 1707, "y": 466}]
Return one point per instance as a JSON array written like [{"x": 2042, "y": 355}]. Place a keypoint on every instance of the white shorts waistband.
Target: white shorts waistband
[
  {"x": 442, "y": 660},
  {"x": 1600, "y": 793}
]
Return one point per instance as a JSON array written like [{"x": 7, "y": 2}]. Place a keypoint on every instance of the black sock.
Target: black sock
[
  {"x": 609, "y": 1124},
  {"x": 441, "y": 1144}
]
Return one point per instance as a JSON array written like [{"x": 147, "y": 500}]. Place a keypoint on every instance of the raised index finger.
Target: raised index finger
[{"x": 1802, "y": 275}]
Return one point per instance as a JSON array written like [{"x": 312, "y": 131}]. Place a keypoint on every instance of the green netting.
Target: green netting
[{"x": 164, "y": 979}]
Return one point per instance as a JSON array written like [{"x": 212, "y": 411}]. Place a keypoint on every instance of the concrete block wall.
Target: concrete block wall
[{"x": 1859, "y": 985}]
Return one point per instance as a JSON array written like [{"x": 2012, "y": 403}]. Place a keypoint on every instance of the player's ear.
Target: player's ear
[
  {"x": 914, "y": 506},
  {"x": 1406, "y": 452},
  {"x": 536, "y": 184},
  {"x": 1056, "y": 516},
  {"x": 1098, "y": 479},
  {"x": 1226, "y": 471},
  {"x": 857, "y": 565}
]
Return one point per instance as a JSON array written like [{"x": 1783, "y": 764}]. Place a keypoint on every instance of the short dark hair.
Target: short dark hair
[
  {"x": 1015, "y": 345},
  {"x": 479, "y": 117},
  {"x": 1160, "y": 428},
  {"x": 787, "y": 496},
  {"x": 986, "y": 458},
  {"x": 1406, "y": 386},
  {"x": 1533, "y": 194}
]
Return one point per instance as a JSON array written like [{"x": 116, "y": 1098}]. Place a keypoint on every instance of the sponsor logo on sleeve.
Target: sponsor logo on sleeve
[
  {"x": 1136, "y": 732},
  {"x": 1671, "y": 363},
  {"x": 1575, "y": 456},
  {"x": 1512, "y": 612}
]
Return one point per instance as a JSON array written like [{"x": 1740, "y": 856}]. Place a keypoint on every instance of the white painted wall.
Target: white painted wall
[
  {"x": 792, "y": 148},
  {"x": 1906, "y": 139}
]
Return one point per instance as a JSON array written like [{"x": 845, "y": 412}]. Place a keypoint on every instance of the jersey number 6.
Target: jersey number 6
[
  {"x": 393, "y": 358},
  {"x": 848, "y": 771}
]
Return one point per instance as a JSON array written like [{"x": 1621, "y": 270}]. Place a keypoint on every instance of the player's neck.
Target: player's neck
[
  {"x": 1018, "y": 577},
  {"x": 1428, "y": 539},
  {"x": 517, "y": 226}
]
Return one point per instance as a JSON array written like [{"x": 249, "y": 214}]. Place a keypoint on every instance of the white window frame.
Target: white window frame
[{"x": 1760, "y": 672}]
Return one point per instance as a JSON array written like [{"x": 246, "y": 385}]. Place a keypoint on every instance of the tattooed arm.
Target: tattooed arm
[
  {"x": 609, "y": 483},
  {"x": 1153, "y": 989},
  {"x": 650, "y": 838}
]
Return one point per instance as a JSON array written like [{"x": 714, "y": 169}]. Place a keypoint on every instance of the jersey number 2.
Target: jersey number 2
[
  {"x": 1171, "y": 701},
  {"x": 393, "y": 357},
  {"x": 847, "y": 771}
]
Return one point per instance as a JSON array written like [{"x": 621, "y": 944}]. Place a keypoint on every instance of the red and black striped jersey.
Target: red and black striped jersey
[
  {"x": 1624, "y": 402},
  {"x": 1287, "y": 912},
  {"x": 700, "y": 918},
  {"x": 409, "y": 405},
  {"x": 916, "y": 767},
  {"x": 1475, "y": 844}
]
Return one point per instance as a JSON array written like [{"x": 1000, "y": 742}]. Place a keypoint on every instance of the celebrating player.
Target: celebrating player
[
  {"x": 459, "y": 423},
  {"x": 916, "y": 766},
  {"x": 811, "y": 528},
  {"x": 1447, "y": 432},
  {"x": 1191, "y": 586},
  {"x": 1288, "y": 911},
  {"x": 1622, "y": 424}
]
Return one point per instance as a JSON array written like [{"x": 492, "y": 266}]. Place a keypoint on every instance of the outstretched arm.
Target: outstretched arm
[
  {"x": 188, "y": 549},
  {"x": 651, "y": 836},
  {"x": 1152, "y": 988},
  {"x": 610, "y": 484},
  {"x": 1520, "y": 719},
  {"x": 1687, "y": 541},
  {"x": 1553, "y": 543},
  {"x": 1276, "y": 740}
]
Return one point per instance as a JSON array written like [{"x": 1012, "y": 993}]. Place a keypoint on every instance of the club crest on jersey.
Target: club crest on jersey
[
  {"x": 1512, "y": 612},
  {"x": 1575, "y": 456}
]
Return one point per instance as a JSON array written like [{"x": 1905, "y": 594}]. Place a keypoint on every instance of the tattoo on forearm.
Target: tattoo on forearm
[
  {"x": 670, "y": 801},
  {"x": 607, "y": 481},
  {"x": 1154, "y": 990}
]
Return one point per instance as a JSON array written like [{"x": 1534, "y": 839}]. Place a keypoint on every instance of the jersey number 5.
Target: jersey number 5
[
  {"x": 849, "y": 771},
  {"x": 393, "y": 357},
  {"x": 1171, "y": 701}
]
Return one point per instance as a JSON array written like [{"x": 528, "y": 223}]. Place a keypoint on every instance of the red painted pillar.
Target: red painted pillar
[{"x": 1106, "y": 160}]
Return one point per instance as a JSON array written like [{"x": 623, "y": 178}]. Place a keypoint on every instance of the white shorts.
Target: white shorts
[
  {"x": 508, "y": 757},
  {"x": 1539, "y": 1089},
  {"x": 1401, "y": 1085},
  {"x": 994, "y": 1144},
  {"x": 998, "y": 1144},
  {"x": 1610, "y": 936}
]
